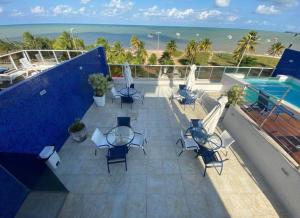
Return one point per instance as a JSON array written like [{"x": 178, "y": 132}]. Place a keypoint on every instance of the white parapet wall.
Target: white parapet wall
[
  {"x": 230, "y": 79},
  {"x": 279, "y": 172}
]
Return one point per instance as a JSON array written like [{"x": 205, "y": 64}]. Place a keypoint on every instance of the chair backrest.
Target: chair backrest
[
  {"x": 182, "y": 86},
  {"x": 25, "y": 63},
  {"x": 183, "y": 138},
  {"x": 114, "y": 92},
  {"x": 98, "y": 138},
  {"x": 123, "y": 121},
  {"x": 38, "y": 57},
  {"x": 227, "y": 139},
  {"x": 263, "y": 100}
]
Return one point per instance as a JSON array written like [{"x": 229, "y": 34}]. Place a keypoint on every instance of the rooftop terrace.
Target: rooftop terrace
[{"x": 158, "y": 184}]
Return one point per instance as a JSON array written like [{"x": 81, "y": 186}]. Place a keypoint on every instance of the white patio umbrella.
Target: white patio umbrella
[
  {"x": 190, "y": 81},
  {"x": 211, "y": 120},
  {"x": 127, "y": 74}
]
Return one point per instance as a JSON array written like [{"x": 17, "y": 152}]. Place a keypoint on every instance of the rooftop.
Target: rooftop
[{"x": 158, "y": 184}]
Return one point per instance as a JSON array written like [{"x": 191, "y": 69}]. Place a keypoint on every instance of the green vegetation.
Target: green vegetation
[
  {"x": 276, "y": 49},
  {"x": 76, "y": 126},
  {"x": 235, "y": 95},
  {"x": 196, "y": 52},
  {"x": 152, "y": 59},
  {"x": 246, "y": 44},
  {"x": 99, "y": 84},
  {"x": 166, "y": 59}
]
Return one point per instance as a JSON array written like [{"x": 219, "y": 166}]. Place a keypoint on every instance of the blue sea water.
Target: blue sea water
[
  {"x": 223, "y": 39},
  {"x": 277, "y": 89}
]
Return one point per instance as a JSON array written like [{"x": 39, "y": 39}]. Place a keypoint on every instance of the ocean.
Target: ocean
[{"x": 223, "y": 39}]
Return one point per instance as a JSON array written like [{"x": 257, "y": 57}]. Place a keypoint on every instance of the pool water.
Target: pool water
[{"x": 278, "y": 88}]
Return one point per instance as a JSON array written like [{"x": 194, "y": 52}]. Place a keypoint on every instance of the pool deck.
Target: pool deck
[
  {"x": 158, "y": 184},
  {"x": 284, "y": 129}
]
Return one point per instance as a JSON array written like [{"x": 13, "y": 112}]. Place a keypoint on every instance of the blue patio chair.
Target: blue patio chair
[
  {"x": 262, "y": 102},
  {"x": 116, "y": 155},
  {"x": 182, "y": 86},
  {"x": 190, "y": 99},
  {"x": 126, "y": 100},
  {"x": 123, "y": 121},
  {"x": 212, "y": 159}
]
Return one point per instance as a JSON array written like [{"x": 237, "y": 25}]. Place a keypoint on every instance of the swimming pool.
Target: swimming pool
[{"x": 277, "y": 88}]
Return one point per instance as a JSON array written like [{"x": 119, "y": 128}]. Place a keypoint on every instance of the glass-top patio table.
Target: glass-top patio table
[
  {"x": 128, "y": 92},
  {"x": 205, "y": 141},
  {"x": 120, "y": 136}
]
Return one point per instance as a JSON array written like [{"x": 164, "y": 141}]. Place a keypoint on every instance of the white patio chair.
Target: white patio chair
[
  {"x": 227, "y": 141},
  {"x": 115, "y": 94},
  {"x": 187, "y": 143},
  {"x": 139, "y": 140},
  {"x": 34, "y": 67},
  {"x": 99, "y": 140},
  {"x": 140, "y": 96}
]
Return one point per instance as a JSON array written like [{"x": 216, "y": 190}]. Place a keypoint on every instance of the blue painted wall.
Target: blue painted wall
[
  {"x": 12, "y": 194},
  {"x": 29, "y": 121},
  {"x": 289, "y": 64}
]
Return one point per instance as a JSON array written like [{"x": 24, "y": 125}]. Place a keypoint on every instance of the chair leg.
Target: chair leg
[
  {"x": 144, "y": 151},
  {"x": 95, "y": 152},
  {"x": 108, "y": 167},
  {"x": 180, "y": 153},
  {"x": 125, "y": 164},
  {"x": 204, "y": 172},
  {"x": 178, "y": 141}
]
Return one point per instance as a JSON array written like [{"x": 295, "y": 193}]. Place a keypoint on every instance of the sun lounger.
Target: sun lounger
[
  {"x": 33, "y": 67},
  {"x": 12, "y": 75}
]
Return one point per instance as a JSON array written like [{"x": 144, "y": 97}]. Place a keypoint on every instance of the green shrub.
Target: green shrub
[
  {"x": 76, "y": 126},
  {"x": 235, "y": 95},
  {"x": 99, "y": 84}
]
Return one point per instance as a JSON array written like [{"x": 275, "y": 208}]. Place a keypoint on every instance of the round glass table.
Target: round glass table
[
  {"x": 127, "y": 92},
  {"x": 120, "y": 136},
  {"x": 199, "y": 135},
  {"x": 203, "y": 139}
]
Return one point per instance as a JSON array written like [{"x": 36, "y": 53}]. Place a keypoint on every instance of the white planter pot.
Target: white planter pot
[{"x": 99, "y": 101}]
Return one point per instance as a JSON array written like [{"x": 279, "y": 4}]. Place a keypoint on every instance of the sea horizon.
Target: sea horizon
[{"x": 224, "y": 39}]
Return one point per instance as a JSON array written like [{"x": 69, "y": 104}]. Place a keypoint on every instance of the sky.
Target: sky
[{"x": 280, "y": 15}]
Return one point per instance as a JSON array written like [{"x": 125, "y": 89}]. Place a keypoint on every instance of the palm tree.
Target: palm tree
[
  {"x": 152, "y": 59},
  {"x": 141, "y": 53},
  {"x": 166, "y": 59},
  {"x": 135, "y": 42},
  {"x": 246, "y": 44},
  {"x": 171, "y": 47},
  {"x": 102, "y": 42},
  {"x": 192, "y": 50},
  {"x": 205, "y": 45},
  {"x": 118, "y": 55},
  {"x": 276, "y": 49},
  {"x": 63, "y": 42}
]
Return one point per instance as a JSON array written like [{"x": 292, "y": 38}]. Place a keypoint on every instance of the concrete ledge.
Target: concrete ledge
[{"x": 278, "y": 171}]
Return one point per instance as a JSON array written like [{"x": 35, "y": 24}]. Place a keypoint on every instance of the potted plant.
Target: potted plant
[
  {"x": 99, "y": 84},
  {"x": 78, "y": 131},
  {"x": 110, "y": 82},
  {"x": 235, "y": 95}
]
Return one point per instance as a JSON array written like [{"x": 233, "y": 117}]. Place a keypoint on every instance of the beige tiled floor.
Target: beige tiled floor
[{"x": 158, "y": 184}]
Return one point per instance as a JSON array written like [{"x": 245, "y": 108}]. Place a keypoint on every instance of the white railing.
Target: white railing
[
  {"x": 37, "y": 55},
  {"x": 211, "y": 73}
]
